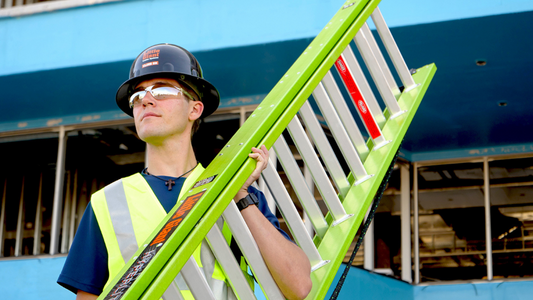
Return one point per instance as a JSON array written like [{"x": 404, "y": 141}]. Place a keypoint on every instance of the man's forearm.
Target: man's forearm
[{"x": 287, "y": 263}]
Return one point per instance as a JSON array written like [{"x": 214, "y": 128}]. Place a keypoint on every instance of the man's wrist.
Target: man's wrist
[
  {"x": 248, "y": 200},
  {"x": 240, "y": 194}
]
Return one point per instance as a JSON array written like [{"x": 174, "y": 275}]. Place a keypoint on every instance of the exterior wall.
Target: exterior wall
[
  {"x": 518, "y": 290},
  {"x": 361, "y": 284},
  {"x": 32, "y": 279}
]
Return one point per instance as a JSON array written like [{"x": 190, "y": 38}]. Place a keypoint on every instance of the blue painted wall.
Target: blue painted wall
[
  {"x": 30, "y": 279},
  {"x": 117, "y": 31},
  {"x": 361, "y": 284},
  {"x": 33, "y": 279},
  {"x": 517, "y": 290}
]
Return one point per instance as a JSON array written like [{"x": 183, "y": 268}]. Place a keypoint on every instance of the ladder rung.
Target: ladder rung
[
  {"x": 226, "y": 259},
  {"x": 364, "y": 87},
  {"x": 324, "y": 148},
  {"x": 376, "y": 73},
  {"x": 322, "y": 182},
  {"x": 344, "y": 113},
  {"x": 195, "y": 278},
  {"x": 392, "y": 49},
  {"x": 290, "y": 214},
  {"x": 381, "y": 61},
  {"x": 339, "y": 133},
  {"x": 250, "y": 250},
  {"x": 292, "y": 170},
  {"x": 172, "y": 292}
]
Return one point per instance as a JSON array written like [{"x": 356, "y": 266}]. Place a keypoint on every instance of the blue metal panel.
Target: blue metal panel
[
  {"x": 118, "y": 31},
  {"x": 32, "y": 278},
  {"x": 361, "y": 284}
]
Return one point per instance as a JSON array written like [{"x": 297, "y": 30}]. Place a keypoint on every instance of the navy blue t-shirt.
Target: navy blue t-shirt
[{"x": 86, "y": 265}]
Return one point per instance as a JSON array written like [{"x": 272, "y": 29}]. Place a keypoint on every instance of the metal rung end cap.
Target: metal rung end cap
[
  {"x": 337, "y": 222},
  {"x": 401, "y": 112},
  {"x": 358, "y": 182},
  {"x": 319, "y": 265},
  {"x": 381, "y": 145},
  {"x": 414, "y": 86}
]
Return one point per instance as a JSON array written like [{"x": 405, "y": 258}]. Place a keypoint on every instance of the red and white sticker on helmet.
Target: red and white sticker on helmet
[
  {"x": 151, "y": 54},
  {"x": 358, "y": 99},
  {"x": 152, "y": 63}
]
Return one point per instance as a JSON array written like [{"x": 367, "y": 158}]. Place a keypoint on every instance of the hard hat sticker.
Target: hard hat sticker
[
  {"x": 151, "y": 54},
  {"x": 152, "y": 63}
]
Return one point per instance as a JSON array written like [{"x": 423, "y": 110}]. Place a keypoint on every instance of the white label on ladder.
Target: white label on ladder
[{"x": 359, "y": 101}]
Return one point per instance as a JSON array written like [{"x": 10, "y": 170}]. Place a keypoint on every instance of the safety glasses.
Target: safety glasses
[{"x": 159, "y": 92}]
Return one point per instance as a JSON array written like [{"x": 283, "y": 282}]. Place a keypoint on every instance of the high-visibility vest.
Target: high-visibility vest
[{"x": 128, "y": 211}]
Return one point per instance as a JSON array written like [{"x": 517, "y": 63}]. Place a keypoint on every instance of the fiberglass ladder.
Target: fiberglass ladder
[{"x": 168, "y": 251}]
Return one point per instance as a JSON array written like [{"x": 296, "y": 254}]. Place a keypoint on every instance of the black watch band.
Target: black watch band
[{"x": 247, "y": 201}]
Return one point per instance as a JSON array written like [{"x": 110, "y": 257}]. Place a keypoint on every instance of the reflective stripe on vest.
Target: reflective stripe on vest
[{"x": 128, "y": 211}]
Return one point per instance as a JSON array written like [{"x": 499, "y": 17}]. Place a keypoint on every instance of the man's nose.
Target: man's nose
[{"x": 148, "y": 99}]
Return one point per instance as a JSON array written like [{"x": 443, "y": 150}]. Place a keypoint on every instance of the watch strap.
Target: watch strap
[{"x": 250, "y": 199}]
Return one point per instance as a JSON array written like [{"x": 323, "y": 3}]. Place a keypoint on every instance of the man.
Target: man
[{"x": 167, "y": 95}]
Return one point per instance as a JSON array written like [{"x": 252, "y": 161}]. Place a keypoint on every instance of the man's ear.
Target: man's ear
[{"x": 196, "y": 110}]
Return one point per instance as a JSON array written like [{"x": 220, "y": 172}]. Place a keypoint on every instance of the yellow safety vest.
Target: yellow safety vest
[{"x": 128, "y": 211}]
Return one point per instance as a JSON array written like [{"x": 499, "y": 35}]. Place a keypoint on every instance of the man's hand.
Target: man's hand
[{"x": 261, "y": 157}]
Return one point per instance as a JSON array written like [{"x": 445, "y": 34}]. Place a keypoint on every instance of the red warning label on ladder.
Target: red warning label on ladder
[{"x": 357, "y": 98}]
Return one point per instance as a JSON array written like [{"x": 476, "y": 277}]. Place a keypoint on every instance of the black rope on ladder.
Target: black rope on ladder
[{"x": 375, "y": 204}]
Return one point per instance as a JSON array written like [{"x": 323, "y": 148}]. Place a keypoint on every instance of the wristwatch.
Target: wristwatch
[{"x": 247, "y": 201}]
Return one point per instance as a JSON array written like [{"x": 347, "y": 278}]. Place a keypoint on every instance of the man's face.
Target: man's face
[{"x": 158, "y": 120}]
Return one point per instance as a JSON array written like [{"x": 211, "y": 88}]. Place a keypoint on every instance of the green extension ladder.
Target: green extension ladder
[{"x": 367, "y": 151}]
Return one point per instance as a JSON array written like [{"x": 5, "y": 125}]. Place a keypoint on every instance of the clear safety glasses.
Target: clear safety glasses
[{"x": 159, "y": 92}]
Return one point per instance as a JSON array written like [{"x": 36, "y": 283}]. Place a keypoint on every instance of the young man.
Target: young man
[{"x": 167, "y": 95}]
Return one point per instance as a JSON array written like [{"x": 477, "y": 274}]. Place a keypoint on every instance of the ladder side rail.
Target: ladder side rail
[
  {"x": 377, "y": 74},
  {"x": 361, "y": 82},
  {"x": 329, "y": 195},
  {"x": 381, "y": 61},
  {"x": 392, "y": 49},
  {"x": 339, "y": 133},
  {"x": 324, "y": 148},
  {"x": 291, "y": 216},
  {"x": 226, "y": 259},
  {"x": 297, "y": 180},
  {"x": 361, "y": 106},
  {"x": 196, "y": 280},
  {"x": 251, "y": 252},
  {"x": 346, "y": 117}
]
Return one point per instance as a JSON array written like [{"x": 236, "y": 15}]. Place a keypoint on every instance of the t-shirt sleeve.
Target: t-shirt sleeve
[
  {"x": 263, "y": 207},
  {"x": 86, "y": 265}
]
